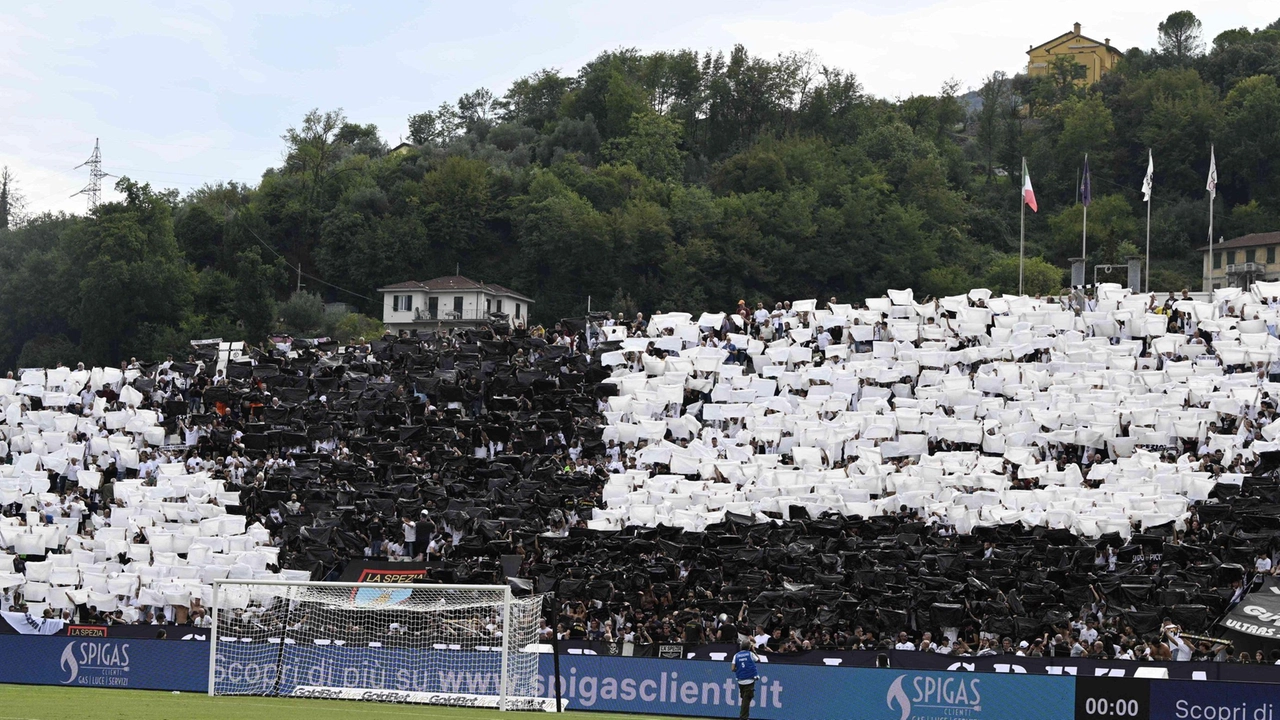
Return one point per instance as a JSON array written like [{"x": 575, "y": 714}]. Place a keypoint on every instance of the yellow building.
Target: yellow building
[{"x": 1099, "y": 58}]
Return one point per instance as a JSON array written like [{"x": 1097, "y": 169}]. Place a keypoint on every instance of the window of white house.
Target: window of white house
[
  {"x": 488, "y": 305},
  {"x": 499, "y": 304},
  {"x": 401, "y": 303},
  {"x": 517, "y": 309}
]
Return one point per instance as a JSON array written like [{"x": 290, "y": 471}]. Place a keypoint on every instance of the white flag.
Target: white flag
[
  {"x": 25, "y": 624},
  {"x": 1146, "y": 181},
  {"x": 1212, "y": 185}
]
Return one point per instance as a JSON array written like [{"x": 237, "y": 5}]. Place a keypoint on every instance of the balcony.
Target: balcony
[
  {"x": 1246, "y": 268},
  {"x": 451, "y": 316}
]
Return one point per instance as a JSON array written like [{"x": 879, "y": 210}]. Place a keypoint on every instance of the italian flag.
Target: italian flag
[{"x": 1028, "y": 195}]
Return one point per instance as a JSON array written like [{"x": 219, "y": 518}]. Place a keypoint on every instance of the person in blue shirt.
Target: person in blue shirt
[{"x": 744, "y": 668}]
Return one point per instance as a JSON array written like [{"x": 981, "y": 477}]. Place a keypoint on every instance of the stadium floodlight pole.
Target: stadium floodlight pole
[{"x": 213, "y": 639}]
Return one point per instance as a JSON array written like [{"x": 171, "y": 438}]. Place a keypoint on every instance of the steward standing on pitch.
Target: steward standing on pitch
[{"x": 744, "y": 668}]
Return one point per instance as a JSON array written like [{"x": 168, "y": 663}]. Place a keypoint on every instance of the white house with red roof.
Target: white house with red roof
[{"x": 450, "y": 301}]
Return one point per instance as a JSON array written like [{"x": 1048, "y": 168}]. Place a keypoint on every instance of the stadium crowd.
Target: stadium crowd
[{"x": 1076, "y": 476}]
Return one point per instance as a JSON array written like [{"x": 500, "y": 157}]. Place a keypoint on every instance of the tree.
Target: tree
[
  {"x": 1039, "y": 277},
  {"x": 992, "y": 130},
  {"x": 351, "y": 326},
  {"x": 302, "y": 314},
  {"x": 1180, "y": 35},
  {"x": 478, "y": 109},
  {"x": 361, "y": 139},
  {"x": 253, "y": 302},
  {"x": 1087, "y": 127},
  {"x": 12, "y": 202},
  {"x": 1252, "y": 130},
  {"x": 130, "y": 271},
  {"x": 669, "y": 180},
  {"x": 312, "y": 148},
  {"x": 46, "y": 351},
  {"x": 1111, "y": 225},
  {"x": 1066, "y": 76},
  {"x": 435, "y": 128},
  {"x": 652, "y": 146},
  {"x": 534, "y": 100}
]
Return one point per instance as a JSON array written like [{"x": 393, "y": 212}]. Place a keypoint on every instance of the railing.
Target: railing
[
  {"x": 1247, "y": 267},
  {"x": 450, "y": 315}
]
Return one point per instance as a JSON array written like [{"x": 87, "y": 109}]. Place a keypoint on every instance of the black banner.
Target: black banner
[
  {"x": 373, "y": 571},
  {"x": 1258, "y": 614},
  {"x": 132, "y": 632}
]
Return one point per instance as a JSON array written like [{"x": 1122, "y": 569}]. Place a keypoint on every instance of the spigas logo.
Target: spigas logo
[
  {"x": 69, "y": 664},
  {"x": 96, "y": 663},
  {"x": 926, "y": 697}
]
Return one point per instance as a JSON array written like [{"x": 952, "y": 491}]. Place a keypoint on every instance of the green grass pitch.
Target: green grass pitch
[{"x": 39, "y": 702}]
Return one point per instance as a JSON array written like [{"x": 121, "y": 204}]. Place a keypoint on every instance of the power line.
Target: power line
[{"x": 295, "y": 268}]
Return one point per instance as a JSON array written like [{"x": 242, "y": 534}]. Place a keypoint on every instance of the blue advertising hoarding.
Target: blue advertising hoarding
[
  {"x": 265, "y": 668},
  {"x": 105, "y": 663},
  {"x": 796, "y": 692},
  {"x": 639, "y": 685},
  {"x": 1190, "y": 700}
]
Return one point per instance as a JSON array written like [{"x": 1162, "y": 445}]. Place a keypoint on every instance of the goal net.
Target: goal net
[{"x": 466, "y": 645}]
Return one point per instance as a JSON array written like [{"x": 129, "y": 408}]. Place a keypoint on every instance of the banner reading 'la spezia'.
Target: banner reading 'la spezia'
[{"x": 794, "y": 692}]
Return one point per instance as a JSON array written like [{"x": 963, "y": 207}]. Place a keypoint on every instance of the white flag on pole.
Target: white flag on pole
[
  {"x": 1146, "y": 181},
  {"x": 1212, "y": 185}
]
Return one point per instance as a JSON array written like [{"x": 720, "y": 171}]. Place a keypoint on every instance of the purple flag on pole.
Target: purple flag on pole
[{"x": 1086, "y": 187}]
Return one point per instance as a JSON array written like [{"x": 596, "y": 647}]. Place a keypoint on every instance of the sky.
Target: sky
[{"x": 183, "y": 94}]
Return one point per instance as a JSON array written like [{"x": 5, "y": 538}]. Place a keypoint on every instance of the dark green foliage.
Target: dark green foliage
[{"x": 669, "y": 181}]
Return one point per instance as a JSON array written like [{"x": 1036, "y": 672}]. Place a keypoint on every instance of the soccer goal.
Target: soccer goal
[{"x": 464, "y": 645}]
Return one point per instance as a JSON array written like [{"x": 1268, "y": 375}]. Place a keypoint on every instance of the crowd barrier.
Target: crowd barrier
[{"x": 665, "y": 686}]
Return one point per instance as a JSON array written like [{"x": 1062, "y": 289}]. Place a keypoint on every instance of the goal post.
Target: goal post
[{"x": 465, "y": 645}]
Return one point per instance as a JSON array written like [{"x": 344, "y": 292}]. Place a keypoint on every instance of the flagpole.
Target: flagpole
[
  {"x": 1211, "y": 243},
  {"x": 1084, "y": 234},
  {"x": 1022, "y": 223},
  {"x": 1086, "y": 196},
  {"x": 1149, "y": 244},
  {"x": 1212, "y": 187},
  {"x": 1147, "y": 183}
]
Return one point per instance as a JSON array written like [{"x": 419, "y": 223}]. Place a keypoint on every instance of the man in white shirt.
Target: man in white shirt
[
  {"x": 1263, "y": 563},
  {"x": 761, "y": 638},
  {"x": 1090, "y": 633},
  {"x": 1180, "y": 648},
  {"x": 410, "y": 530},
  {"x": 824, "y": 339},
  {"x": 904, "y": 643},
  {"x": 761, "y": 315}
]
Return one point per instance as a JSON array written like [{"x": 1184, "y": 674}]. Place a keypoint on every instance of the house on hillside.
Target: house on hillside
[
  {"x": 1098, "y": 58},
  {"x": 1239, "y": 262},
  {"x": 450, "y": 302},
  {"x": 403, "y": 148}
]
